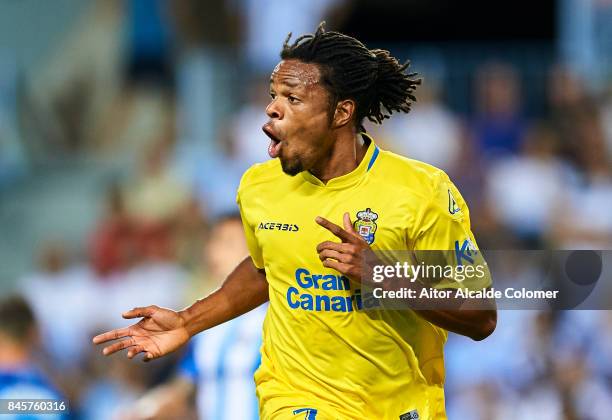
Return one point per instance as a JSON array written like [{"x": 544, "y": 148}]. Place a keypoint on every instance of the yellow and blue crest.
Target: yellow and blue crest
[{"x": 365, "y": 224}]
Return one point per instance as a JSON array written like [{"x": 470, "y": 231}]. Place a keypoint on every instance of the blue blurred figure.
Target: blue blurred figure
[{"x": 20, "y": 377}]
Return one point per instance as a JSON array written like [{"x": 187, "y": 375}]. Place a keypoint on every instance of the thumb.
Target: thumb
[{"x": 140, "y": 312}]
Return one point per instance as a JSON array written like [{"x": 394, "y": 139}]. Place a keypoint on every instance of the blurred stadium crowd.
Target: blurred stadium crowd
[{"x": 119, "y": 161}]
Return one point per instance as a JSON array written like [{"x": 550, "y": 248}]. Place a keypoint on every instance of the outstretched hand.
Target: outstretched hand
[
  {"x": 159, "y": 332},
  {"x": 346, "y": 257}
]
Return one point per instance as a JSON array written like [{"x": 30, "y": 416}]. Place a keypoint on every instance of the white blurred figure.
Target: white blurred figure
[
  {"x": 590, "y": 331},
  {"x": 430, "y": 132},
  {"x": 524, "y": 191},
  {"x": 485, "y": 382},
  {"x": 153, "y": 281},
  {"x": 583, "y": 394},
  {"x": 58, "y": 293},
  {"x": 585, "y": 220}
]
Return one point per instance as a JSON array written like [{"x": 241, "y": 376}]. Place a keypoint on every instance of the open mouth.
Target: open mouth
[{"x": 275, "y": 143}]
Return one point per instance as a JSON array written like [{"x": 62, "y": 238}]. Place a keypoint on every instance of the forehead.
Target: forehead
[{"x": 295, "y": 73}]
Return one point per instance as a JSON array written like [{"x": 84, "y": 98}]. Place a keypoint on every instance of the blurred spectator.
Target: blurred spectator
[
  {"x": 115, "y": 385},
  {"x": 606, "y": 118},
  {"x": 113, "y": 243},
  {"x": 584, "y": 222},
  {"x": 206, "y": 69},
  {"x": 250, "y": 144},
  {"x": 217, "y": 177},
  {"x": 156, "y": 195},
  {"x": 73, "y": 90},
  {"x": 159, "y": 281},
  {"x": 12, "y": 156},
  {"x": 499, "y": 386},
  {"x": 155, "y": 198},
  {"x": 269, "y": 22},
  {"x": 583, "y": 394},
  {"x": 190, "y": 235},
  {"x": 430, "y": 133},
  {"x": 569, "y": 109},
  {"x": 589, "y": 332},
  {"x": 498, "y": 124},
  {"x": 20, "y": 377},
  {"x": 523, "y": 191},
  {"x": 149, "y": 42},
  {"x": 219, "y": 363},
  {"x": 57, "y": 293}
]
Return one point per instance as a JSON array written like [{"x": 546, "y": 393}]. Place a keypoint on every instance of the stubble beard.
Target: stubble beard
[{"x": 291, "y": 167}]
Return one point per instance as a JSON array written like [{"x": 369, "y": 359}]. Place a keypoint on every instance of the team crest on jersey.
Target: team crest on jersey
[{"x": 365, "y": 225}]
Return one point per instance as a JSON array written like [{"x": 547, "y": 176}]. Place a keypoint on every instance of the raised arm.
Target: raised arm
[
  {"x": 348, "y": 258},
  {"x": 161, "y": 330}
]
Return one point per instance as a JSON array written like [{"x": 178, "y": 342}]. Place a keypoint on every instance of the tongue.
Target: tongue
[{"x": 274, "y": 148}]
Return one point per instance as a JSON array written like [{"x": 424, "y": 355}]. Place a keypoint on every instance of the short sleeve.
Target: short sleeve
[
  {"x": 249, "y": 232},
  {"x": 187, "y": 366},
  {"x": 443, "y": 237}
]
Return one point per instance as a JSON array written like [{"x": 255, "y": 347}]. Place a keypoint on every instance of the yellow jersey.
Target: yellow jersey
[{"x": 325, "y": 355}]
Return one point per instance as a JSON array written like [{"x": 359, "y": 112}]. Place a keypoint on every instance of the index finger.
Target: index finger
[
  {"x": 335, "y": 229},
  {"x": 111, "y": 335}
]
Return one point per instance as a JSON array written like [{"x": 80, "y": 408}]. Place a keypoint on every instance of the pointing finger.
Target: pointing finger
[{"x": 335, "y": 229}]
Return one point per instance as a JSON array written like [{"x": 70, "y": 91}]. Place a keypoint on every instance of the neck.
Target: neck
[{"x": 346, "y": 153}]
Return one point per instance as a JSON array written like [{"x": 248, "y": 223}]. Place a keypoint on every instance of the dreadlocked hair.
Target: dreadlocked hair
[{"x": 375, "y": 80}]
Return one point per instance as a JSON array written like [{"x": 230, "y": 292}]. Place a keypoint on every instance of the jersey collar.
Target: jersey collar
[{"x": 355, "y": 175}]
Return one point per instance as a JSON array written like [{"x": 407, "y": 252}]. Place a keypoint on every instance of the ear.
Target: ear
[{"x": 344, "y": 112}]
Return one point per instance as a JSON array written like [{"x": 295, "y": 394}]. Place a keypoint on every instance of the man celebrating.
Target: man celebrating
[{"x": 325, "y": 354}]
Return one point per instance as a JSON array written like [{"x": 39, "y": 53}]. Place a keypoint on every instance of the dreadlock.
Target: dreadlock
[{"x": 374, "y": 79}]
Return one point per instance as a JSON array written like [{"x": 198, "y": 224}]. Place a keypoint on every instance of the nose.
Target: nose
[{"x": 274, "y": 111}]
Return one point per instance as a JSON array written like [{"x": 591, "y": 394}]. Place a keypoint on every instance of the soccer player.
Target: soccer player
[{"x": 328, "y": 195}]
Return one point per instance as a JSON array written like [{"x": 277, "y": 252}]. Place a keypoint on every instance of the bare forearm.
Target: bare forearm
[
  {"x": 244, "y": 289},
  {"x": 474, "y": 318},
  {"x": 476, "y": 324}
]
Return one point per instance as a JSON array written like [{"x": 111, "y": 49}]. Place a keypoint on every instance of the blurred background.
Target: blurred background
[{"x": 125, "y": 126}]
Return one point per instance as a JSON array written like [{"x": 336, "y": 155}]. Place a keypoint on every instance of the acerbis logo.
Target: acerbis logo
[{"x": 288, "y": 227}]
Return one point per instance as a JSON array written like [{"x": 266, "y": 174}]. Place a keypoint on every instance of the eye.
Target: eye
[
  {"x": 293, "y": 100},
  {"x": 272, "y": 95}
]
